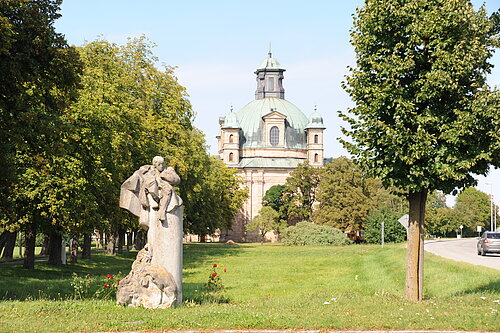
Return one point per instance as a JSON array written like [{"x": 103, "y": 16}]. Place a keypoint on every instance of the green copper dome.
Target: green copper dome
[
  {"x": 252, "y": 124},
  {"x": 231, "y": 121},
  {"x": 315, "y": 121},
  {"x": 270, "y": 63}
]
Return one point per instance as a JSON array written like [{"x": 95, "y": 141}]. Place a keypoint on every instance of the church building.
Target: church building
[{"x": 265, "y": 141}]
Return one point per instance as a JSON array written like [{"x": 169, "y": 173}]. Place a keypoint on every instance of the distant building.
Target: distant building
[{"x": 265, "y": 141}]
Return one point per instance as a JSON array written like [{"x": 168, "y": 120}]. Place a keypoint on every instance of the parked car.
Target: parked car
[{"x": 489, "y": 243}]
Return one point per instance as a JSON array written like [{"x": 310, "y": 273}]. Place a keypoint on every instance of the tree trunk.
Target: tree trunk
[
  {"x": 10, "y": 244},
  {"x": 45, "y": 246},
  {"x": 121, "y": 240},
  {"x": 140, "y": 240},
  {"x": 203, "y": 238},
  {"x": 129, "y": 240},
  {"x": 30, "y": 238},
  {"x": 55, "y": 244},
  {"x": 110, "y": 244},
  {"x": 87, "y": 246},
  {"x": 3, "y": 240},
  {"x": 415, "y": 256},
  {"x": 73, "y": 249}
]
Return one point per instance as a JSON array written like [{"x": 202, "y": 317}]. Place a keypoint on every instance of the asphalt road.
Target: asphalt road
[{"x": 462, "y": 250}]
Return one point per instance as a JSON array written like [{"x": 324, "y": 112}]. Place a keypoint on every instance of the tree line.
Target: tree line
[
  {"x": 340, "y": 195},
  {"x": 77, "y": 121}
]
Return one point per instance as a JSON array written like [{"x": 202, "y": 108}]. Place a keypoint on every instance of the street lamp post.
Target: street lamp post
[{"x": 492, "y": 227}]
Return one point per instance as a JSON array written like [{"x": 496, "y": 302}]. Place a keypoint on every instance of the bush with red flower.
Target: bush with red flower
[{"x": 94, "y": 288}]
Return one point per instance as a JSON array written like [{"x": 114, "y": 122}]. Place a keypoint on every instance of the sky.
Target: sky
[{"x": 217, "y": 45}]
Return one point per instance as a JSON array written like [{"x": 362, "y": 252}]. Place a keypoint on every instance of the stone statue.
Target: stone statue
[{"x": 156, "y": 277}]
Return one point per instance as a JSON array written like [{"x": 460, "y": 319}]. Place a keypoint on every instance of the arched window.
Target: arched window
[
  {"x": 274, "y": 136},
  {"x": 316, "y": 138},
  {"x": 231, "y": 157},
  {"x": 316, "y": 158},
  {"x": 231, "y": 138}
]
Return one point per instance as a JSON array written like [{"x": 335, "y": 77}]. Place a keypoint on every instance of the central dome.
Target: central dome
[{"x": 252, "y": 124}]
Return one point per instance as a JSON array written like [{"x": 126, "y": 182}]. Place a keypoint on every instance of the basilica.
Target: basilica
[{"x": 265, "y": 141}]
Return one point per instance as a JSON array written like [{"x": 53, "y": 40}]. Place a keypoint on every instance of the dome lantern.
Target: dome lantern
[{"x": 270, "y": 79}]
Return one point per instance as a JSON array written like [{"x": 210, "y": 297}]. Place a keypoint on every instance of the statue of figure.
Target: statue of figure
[{"x": 149, "y": 194}]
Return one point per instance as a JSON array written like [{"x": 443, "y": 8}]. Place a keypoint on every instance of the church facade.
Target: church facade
[{"x": 265, "y": 141}]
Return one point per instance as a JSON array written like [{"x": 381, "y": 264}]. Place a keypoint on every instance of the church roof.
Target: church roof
[
  {"x": 231, "y": 121},
  {"x": 270, "y": 63},
  {"x": 268, "y": 162},
  {"x": 252, "y": 124},
  {"x": 315, "y": 121}
]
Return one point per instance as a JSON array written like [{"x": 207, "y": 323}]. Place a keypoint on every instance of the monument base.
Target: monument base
[{"x": 147, "y": 285}]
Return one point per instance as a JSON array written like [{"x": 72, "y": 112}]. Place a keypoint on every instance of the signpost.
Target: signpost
[{"x": 382, "y": 233}]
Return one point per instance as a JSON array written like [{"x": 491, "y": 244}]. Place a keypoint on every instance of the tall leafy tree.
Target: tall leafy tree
[
  {"x": 345, "y": 196},
  {"x": 423, "y": 114},
  {"x": 472, "y": 209},
  {"x": 299, "y": 195}
]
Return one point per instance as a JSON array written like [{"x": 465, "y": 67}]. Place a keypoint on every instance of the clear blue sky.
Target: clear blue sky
[{"x": 218, "y": 44}]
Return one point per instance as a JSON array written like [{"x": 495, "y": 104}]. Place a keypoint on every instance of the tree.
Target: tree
[
  {"x": 299, "y": 194},
  {"x": 264, "y": 222},
  {"x": 272, "y": 198},
  {"x": 345, "y": 196},
  {"x": 437, "y": 214},
  {"x": 423, "y": 114},
  {"x": 213, "y": 194},
  {"x": 472, "y": 209}
]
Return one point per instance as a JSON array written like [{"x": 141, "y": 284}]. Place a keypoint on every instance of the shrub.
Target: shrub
[{"x": 307, "y": 233}]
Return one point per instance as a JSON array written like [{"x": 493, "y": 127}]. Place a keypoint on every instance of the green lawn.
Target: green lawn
[{"x": 270, "y": 286}]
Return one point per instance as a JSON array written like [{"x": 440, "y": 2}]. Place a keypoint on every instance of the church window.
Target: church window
[
  {"x": 270, "y": 83},
  {"x": 316, "y": 138},
  {"x": 231, "y": 157},
  {"x": 316, "y": 158},
  {"x": 274, "y": 137},
  {"x": 231, "y": 138}
]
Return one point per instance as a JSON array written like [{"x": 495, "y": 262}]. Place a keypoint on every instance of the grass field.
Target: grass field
[{"x": 268, "y": 287}]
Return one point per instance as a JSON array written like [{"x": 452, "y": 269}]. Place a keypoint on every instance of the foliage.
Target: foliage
[
  {"x": 422, "y": 117},
  {"x": 439, "y": 219},
  {"x": 272, "y": 198},
  {"x": 213, "y": 290},
  {"x": 472, "y": 209},
  {"x": 345, "y": 196},
  {"x": 310, "y": 234},
  {"x": 299, "y": 194},
  {"x": 394, "y": 232},
  {"x": 213, "y": 195},
  {"x": 267, "y": 220}
]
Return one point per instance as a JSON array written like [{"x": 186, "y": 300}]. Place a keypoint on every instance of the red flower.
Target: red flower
[
  {"x": 108, "y": 276},
  {"x": 106, "y": 285},
  {"x": 214, "y": 274},
  {"x": 224, "y": 270},
  {"x": 215, "y": 265},
  {"x": 119, "y": 281}
]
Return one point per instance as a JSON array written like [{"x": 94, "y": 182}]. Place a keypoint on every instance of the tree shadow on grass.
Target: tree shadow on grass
[
  {"x": 492, "y": 287},
  {"x": 54, "y": 282}
]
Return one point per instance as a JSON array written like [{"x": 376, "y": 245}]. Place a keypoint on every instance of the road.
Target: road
[{"x": 462, "y": 250}]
